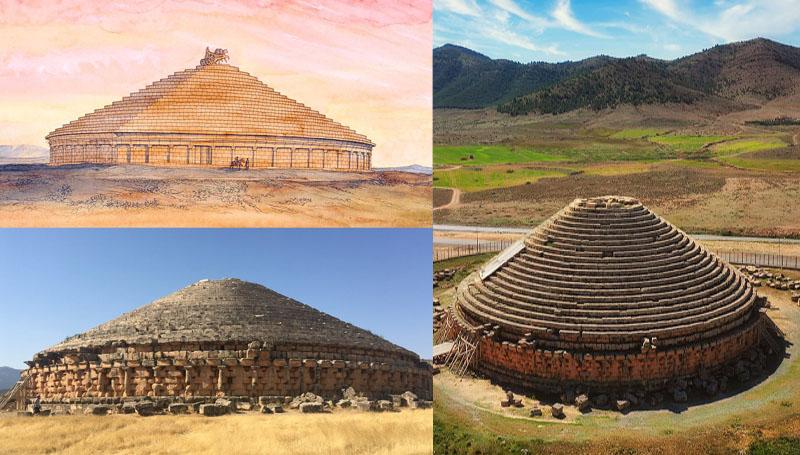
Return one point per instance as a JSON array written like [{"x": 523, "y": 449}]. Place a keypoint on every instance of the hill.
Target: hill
[
  {"x": 23, "y": 154},
  {"x": 739, "y": 74},
  {"x": 8, "y": 377}
]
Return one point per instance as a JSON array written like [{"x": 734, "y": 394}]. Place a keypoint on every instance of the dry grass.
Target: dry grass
[{"x": 407, "y": 432}]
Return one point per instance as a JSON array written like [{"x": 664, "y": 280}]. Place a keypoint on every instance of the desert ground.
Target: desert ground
[
  {"x": 715, "y": 175},
  {"x": 346, "y": 432},
  {"x": 762, "y": 419},
  {"x": 141, "y": 196}
]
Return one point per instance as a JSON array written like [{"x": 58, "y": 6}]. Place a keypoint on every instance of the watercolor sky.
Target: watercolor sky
[
  {"x": 366, "y": 64},
  {"x": 559, "y": 30}
]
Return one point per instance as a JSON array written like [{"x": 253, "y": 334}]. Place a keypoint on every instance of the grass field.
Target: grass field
[
  {"x": 490, "y": 154},
  {"x": 762, "y": 164},
  {"x": 481, "y": 178},
  {"x": 685, "y": 143},
  {"x": 407, "y": 432},
  {"x": 637, "y": 133},
  {"x": 748, "y": 145}
]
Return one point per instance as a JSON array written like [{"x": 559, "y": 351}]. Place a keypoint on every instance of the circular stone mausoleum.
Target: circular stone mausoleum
[
  {"x": 607, "y": 296},
  {"x": 224, "y": 338},
  {"x": 206, "y": 117}
]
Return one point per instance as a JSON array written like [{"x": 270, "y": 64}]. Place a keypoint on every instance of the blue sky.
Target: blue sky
[
  {"x": 558, "y": 30},
  {"x": 56, "y": 283}
]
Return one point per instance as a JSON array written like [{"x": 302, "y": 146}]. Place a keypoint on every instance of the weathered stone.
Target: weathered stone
[
  {"x": 144, "y": 408},
  {"x": 557, "y": 411},
  {"x": 311, "y": 407},
  {"x": 385, "y": 405},
  {"x": 582, "y": 403},
  {"x": 344, "y": 403},
  {"x": 365, "y": 405},
  {"x": 194, "y": 343},
  {"x": 127, "y": 408},
  {"x": 178, "y": 408},
  {"x": 213, "y": 410},
  {"x": 536, "y": 411},
  {"x": 98, "y": 410},
  {"x": 622, "y": 405}
]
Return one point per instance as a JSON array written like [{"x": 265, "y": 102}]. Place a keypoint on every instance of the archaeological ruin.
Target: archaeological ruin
[
  {"x": 224, "y": 338},
  {"x": 607, "y": 297},
  {"x": 206, "y": 117}
]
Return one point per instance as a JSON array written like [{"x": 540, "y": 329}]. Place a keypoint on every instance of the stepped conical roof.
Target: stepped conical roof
[
  {"x": 214, "y": 98},
  {"x": 228, "y": 310},
  {"x": 603, "y": 274}
]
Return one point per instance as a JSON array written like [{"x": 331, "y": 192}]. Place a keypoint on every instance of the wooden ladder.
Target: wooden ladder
[{"x": 463, "y": 353}]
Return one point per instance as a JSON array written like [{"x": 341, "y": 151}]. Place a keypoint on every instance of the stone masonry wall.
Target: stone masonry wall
[
  {"x": 202, "y": 373},
  {"x": 550, "y": 370}
]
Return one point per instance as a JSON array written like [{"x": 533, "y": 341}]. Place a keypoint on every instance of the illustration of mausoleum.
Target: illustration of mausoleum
[{"x": 206, "y": 117}]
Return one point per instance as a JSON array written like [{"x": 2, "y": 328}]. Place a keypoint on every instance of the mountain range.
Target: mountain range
[
  {"x": 736, "y": 76},
  {"x": 8, "y": 377},
  {"x": 23, "y": 154}
]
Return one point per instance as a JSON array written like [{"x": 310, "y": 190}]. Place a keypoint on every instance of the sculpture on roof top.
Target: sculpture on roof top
[{"x": 217, "y": 56}]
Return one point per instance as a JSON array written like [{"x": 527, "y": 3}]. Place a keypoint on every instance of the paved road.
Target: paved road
[{"x": 509, "y": 230}]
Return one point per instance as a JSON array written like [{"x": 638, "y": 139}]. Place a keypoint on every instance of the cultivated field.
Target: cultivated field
[
  {"x": 515, "y": 171},
  {"x": 140, "y": 196},
  {"x": 407, "y": 432},
  {"x": 763, "y": 419}
]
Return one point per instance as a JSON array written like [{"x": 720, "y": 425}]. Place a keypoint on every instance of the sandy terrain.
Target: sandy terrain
[{"x": 139, "y": 196}]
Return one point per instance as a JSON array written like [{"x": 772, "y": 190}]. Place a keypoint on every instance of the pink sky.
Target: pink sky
[{"x": 366, "y": 64}]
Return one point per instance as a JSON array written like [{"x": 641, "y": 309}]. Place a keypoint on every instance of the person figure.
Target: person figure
[
  {"x": 37, "y": 404},
  {"x": 246, "y": 164},
  {"x": 236, "y": 161}
]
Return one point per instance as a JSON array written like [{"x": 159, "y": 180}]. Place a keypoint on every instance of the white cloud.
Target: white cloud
[
  {"x": 513, "y": 39},
  {"x": 672, "y": 47},
  {"x": 666, "y": 7},
  {"x": 463, "y": 7},
  {"x": 511, "y": 7},
  {"x": 563, "y": 15},
  {"x": 734, "y": 21}
]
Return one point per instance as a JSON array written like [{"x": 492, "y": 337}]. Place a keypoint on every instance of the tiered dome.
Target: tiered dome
[
  {"x": 210, "y": 99},
  {"x": 228, "y": 310},
  {"x": 603, "y": 274}
]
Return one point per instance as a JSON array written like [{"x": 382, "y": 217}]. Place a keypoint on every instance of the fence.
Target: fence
[
  {"x": 777, "y": 261},
  {"x": 483, "y": 246}
]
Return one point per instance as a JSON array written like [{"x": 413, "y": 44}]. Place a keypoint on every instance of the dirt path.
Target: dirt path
[{"x": 455, "y": 199}]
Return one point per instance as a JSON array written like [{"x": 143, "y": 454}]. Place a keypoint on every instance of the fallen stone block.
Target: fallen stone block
[
  {"x": 536, "y": 412},
  {"x": 344, "y": 403},
  {"x": 557, "y": 411},
  {"x": 127, "y": 408},
  {"x": 178, "y": 408},
  {"x": 385, "y": 405},
  {"x": 623, "y": 405},
  {"x": 145, "y": 408},
  {"x": 365, "y": 405},
  {"x": 214, "y": 409},
  {"x": 228, "y": 403},
  {"x": 582, "y": 402},
  {"x": 311, "y": 407}
]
